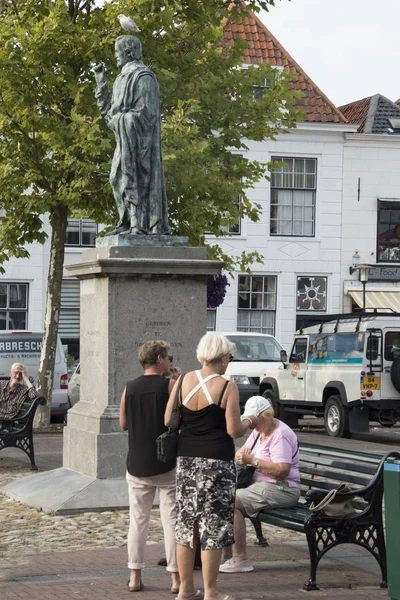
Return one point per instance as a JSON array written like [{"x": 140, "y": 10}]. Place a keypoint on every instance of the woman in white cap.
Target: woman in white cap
[{"x": 272, "y": 448}]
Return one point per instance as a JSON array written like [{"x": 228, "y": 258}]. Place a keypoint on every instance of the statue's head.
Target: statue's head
[{"x": 127, "y": 49}]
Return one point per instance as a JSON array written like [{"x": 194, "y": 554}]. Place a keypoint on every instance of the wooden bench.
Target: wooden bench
[
  {"x": 18, "y": 431},
  {"x": 323, "y": 469}
]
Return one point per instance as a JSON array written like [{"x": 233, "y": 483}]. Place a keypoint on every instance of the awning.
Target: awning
[{"x": 389, "y": 301}]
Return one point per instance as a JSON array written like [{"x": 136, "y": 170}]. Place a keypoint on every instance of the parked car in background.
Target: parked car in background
[
  {"x": 74, "y": 388},
  {"x": 254, "y": 353},
  {"x": 25, "y": 347}
]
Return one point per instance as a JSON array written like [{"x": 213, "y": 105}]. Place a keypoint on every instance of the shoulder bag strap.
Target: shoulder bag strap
[
  {"x": 223, "y": 392},
  {"x": 254, "y": 443},
  {"x": 178, "y": 395},
  {"x": 297, "y": 449}
]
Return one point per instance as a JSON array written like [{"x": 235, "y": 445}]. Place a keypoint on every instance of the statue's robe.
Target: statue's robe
[{"x": 137, "y": 176}]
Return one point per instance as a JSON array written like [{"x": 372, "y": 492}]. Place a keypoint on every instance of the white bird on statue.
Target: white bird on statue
[{"x": 128, "y": 24}]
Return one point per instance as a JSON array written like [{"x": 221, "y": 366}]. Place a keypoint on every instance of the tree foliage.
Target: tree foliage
[
  {"x": 55, "y": 150},
  {"x": 54, "y": 144}
]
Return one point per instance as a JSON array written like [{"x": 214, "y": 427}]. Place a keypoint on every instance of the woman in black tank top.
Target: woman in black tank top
[
  {"x": 142, "y": 410},
  {"x": 206, "y": 474}
]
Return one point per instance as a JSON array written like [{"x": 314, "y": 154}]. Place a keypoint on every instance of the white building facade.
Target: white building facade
[
  {"x": 371, "y": 212},
  {"x": 299, "y": 236},
  {"x": 23, "y": 286},
  {"x": 371, "y": 206}
]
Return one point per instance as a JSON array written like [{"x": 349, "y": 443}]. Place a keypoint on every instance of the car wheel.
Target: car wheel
[
  {"x": 336, "y": 418},
  {"x": 269, "y": 395},
  {"x": 290, "y": 419}
]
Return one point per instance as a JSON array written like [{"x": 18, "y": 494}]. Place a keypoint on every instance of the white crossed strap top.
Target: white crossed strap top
[{"x": 202, "y": 385}]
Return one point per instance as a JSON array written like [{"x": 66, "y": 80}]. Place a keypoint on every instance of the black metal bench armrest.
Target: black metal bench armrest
[
  {"x": 24, "y": 419},
  {"x": 368, "y": 491}
]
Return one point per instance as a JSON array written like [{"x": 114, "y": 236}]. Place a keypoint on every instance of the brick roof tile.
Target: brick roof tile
[
  {"x": 357, "y": 112},
  {"x": 373, "y": 114},
  {"x": 264, "y": 47}
]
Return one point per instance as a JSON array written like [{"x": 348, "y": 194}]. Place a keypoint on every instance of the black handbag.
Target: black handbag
[
  {"x": 167, "y": 442},
  {"x": 244, "y": 473}
]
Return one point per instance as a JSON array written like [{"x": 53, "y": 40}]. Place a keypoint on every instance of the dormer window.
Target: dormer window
[{"x": 260, "y": 89}]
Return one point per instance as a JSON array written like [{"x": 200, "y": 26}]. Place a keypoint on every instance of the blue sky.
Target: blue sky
[{"x": 350, "y": 48}]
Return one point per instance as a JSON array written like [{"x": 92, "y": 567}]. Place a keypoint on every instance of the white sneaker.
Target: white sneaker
[{"x": 236, "y": 566}]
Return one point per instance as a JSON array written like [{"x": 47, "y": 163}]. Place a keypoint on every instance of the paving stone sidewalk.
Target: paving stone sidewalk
[
  {"x": 280, "y": 571},
  {"x": 45, "y": 557}
]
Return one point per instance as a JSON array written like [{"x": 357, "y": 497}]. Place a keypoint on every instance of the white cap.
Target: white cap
[{"x": 255, "y": 406}]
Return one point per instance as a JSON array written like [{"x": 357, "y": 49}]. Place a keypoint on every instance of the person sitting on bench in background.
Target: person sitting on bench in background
[{"x": 14, "y": 392}]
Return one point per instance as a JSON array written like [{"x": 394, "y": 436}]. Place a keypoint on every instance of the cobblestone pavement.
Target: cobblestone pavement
[
  {"x": 47, "y": 557},
  {"x": 25, "y": 530}
]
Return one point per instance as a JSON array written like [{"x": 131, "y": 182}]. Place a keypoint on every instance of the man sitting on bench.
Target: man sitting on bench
[{"x": 15, "y": 392}]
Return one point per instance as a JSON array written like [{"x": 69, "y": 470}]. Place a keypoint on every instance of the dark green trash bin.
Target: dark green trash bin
[{"x": 391, "y": 481}]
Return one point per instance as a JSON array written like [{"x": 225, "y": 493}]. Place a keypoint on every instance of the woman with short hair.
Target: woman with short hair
[
  {"x": 142, "y": 409},
  {"x": 276, "y": 480},
  {"x": 206, "y": 475}
]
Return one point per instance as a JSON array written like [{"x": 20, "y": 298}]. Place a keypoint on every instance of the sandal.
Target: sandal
[
  {"x": 135, "y": 588},
  {"x": 196, "y": 596}
]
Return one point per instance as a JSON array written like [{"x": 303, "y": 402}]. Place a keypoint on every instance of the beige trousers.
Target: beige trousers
[{"x": 141, "y": 496}]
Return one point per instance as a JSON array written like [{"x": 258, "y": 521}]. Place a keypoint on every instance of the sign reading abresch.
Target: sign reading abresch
[{"x": 31, "y": 346}]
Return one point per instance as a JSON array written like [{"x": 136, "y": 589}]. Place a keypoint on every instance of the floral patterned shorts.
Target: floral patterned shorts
[{"x": 205, "y": 494}]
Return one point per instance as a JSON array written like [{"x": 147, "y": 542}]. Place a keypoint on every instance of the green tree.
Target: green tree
[{"x": 55, "y": 150}]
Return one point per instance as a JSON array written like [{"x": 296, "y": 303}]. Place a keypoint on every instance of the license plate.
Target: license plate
[{"x": 370, "y": 383}]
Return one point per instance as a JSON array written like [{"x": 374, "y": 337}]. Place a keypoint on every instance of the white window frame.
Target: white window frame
[
  {"x": 259, "y": 88},
  {"x": 9, "y": 310},
  {"x": 211, "y": 319},
  {"x": 388, "y": 247},
  {"x": 288, "y": 182},
  {"x": 247, "y": 317},
  {"x": 82, "y": 222}
]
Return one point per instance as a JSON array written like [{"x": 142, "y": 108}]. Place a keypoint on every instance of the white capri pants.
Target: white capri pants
[{"x": 141, "y": 496}]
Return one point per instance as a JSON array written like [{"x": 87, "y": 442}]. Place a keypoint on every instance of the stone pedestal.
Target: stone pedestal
[{"x": 129, "y": 295}]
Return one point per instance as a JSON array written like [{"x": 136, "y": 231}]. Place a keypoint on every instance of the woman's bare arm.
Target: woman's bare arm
[
  {"x": 171, "y": 399},
  {"x": 277, "y": 470},
  {"x": 234, "y": 426},
  {"x": 122, "y": 414}
]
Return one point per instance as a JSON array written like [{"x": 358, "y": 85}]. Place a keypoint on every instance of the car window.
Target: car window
[
  {"x": 254, "y": 348},
  {"x": 340, "y": 348},
  {"x": 299, "y": 351},
  {"x": 392, "y": 345}
]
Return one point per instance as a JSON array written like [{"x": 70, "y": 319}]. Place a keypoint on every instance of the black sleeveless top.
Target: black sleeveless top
[
  {"x": 203, "y": 432},
  {"x": 145, "y": 402}
]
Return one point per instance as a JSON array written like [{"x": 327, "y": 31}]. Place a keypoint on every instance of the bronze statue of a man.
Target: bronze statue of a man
[{"x": 132, "y": 112}]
